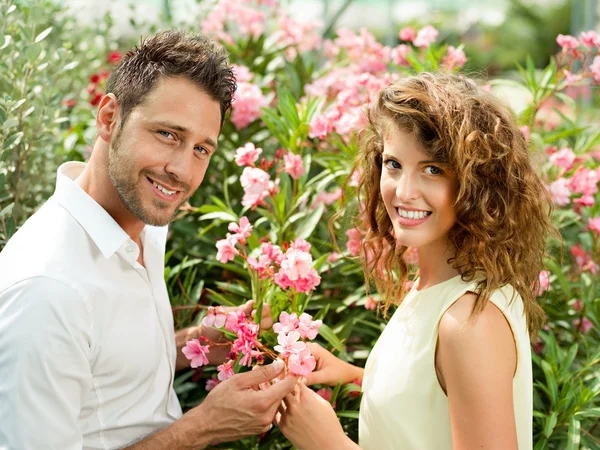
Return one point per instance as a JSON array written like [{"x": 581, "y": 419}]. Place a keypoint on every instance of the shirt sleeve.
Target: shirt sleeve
[{"x": 44, "y": 365}]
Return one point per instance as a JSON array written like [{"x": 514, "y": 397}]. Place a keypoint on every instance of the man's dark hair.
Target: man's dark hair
[{"x": 172, "y": 54}]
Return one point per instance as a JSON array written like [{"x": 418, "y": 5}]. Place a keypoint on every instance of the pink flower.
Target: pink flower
[
  {"x": 242, "y": 73},
  {"x": 293, "y": 165},
  {"x": 262, "y": 266},
  {"x": 296, "y": 264},
  {"x": 560, "y": 191},
  {"x": 584, "y": 325},
  {"x": 578, "y": 305},
  {"x": 595, "y": 68},
  {"x": 325, "y": 393},
  {"x": 407, "y": 34},
  {"x": 307, "y": 327},
  {"x": 399, "y": 53},
  {"x": 215, "y": 317},
  {"x": 589, "y": 39},
  {"x": 247, "y": 155},
  {"x": 585, "y": 181},
  {"x": 594, "y": 224},
  {"x": 454, "y": 58},
  {"x": 567, "y": 42},
  {"x": 226, "y": 249},
  {"x": 570, "y": 78},
  {"x": 302, "y": 363},
  {"x": 211, "y": 383},
  {"x": 371, "y": 303},
  {"x": 328, "y": 197},
  {"x": 426, "y": 36},
  {"x": 248, "y": 100},
  {"x": 563, "y": 158},
  {"x": 234, "y": 320},
  {"x": 544, "y": 282},
  {"x": 333, "y": 257},
  {"x": 272, "y": 251},
  {"x": 242, "y": 231},
  {"x": 287, "y": 322},
  {"x": 257, "y": 186},
  {"x": 225, "y": 370},
  {"x": 354, "y": 241},
  {"x": 526, "y": 132},
  {"x": 288, "y": 344},
  {"x": 301, "y": 244},
  {"x": 196, "y": 353},
  {"x": 320, "y": 127},
  {"x": 408, "y": 285},
  {"x": 355, "y": 179}
]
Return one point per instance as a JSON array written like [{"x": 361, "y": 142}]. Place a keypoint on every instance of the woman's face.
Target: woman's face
[{"x": 418, "y": 193}]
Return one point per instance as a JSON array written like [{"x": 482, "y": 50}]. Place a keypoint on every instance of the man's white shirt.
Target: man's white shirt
[{"x": 87, "y": 347}]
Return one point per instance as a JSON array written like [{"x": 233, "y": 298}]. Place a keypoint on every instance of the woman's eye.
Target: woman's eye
[
  {"x": 433, "y": 170},
  {"x": 166, "y": 134},
  {"x": 391, "y": 164}
]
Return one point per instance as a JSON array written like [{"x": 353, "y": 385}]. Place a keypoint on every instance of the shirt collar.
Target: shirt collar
[{"x": 95, "y": 220}]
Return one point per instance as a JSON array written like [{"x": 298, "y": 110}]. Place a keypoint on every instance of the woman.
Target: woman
[{"x": 446, "y": 170}]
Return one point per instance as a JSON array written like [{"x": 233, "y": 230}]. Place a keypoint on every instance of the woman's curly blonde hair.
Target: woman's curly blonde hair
[{"x": 502, "y": 207}]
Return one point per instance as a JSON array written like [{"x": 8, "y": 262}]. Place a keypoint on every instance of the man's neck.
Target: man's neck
[{"x": 95, "y": 181}]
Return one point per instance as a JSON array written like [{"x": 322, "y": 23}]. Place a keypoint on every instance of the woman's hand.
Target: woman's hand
[
  {"x": 331, "y": 370},
  {"x": 310, "y": 422}
]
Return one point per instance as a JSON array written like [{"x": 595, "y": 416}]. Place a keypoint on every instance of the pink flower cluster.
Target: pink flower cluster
[
  {"x": 257, "y": 186},
  {"x": 583, "y": 181},
  {"x": 291, "y": 329},
  {"x": 580, "y": 49},
  {"x": 296, "y": 269},
  {"x": 226, "y": 250},
  {"x": 298, "y": 37},
  {"x": 247, "y": 102},
  {"x": 295, "y": 266}
]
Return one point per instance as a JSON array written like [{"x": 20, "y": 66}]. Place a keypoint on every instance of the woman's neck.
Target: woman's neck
[{"x": 433, "y": 264}]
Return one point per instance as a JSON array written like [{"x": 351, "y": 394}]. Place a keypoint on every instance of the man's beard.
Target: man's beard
[{"x": 121, "y": 170}]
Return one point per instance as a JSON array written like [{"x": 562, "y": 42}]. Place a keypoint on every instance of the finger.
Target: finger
[
  {"x": 317, "y": 377},
  {"x": 279, "y": 390},
  {"x": 261, "y": 374}
]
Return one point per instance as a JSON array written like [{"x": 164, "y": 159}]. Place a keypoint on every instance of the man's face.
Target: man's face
[{"x": 159, "y": 157}]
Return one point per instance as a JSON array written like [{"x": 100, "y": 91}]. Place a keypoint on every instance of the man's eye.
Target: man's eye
[
  {"x": 166, "y": 134},
  {"x": 433, "y": 170},
  {"x": 203, "y": 150}
]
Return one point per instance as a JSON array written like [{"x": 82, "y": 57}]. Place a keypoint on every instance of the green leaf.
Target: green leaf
[
  {"x": 591, "y": 412},
  {"x": 11, "y": 227},
  {"x": 574, "y": 436},
  {"x": 308, "y": 225},
  {"x": 331, "y": 337},
  {"x": 222, "y": 215},
  {"x": 33, "y": 51},
  {"x": 10, "y": 123},
  {"x": 348, "y": 414},
  {"x": 2, "y": 115},
  {"x": 14, "y": 139},
  {"x": 7, "y": 210},
  {"x": 550, "y": 381},
  {"x": 2, "y": 181},
  {"x": 2, "y": 40},
  {"x": 551, "y": 421},
  {"x": 40, "y": 37},
  {"x": 70, "y": 66}
]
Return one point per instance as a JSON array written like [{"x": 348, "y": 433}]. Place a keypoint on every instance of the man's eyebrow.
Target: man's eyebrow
[{"x": 176, "y": 127}]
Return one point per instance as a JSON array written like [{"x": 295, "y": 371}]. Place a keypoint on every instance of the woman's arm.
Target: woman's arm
[{"x": 476, "y": 360}]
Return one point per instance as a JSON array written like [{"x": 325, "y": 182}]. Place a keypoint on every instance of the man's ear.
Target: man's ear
[{"x": 107, "y": 120}]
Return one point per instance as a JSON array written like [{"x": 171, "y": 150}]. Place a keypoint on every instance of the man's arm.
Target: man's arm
[
  {"x": 44, "y": 365},
  {"x": 231, "y": 411}
]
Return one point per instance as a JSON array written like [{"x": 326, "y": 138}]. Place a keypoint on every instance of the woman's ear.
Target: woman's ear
[{"x": 107, "y": 119}]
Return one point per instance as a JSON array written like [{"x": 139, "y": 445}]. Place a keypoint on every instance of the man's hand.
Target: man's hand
[
  {"x": 218, "y": 354},
  {"x": 235, "y": 409}
]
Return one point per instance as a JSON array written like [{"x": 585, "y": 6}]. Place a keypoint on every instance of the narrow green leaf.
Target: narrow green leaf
[
  {"x": 7, "y": 210},
  {"x": 11, "y": 227},
  {"x": 2, "y": 115},
  {"x": 40, "y": 37},
  {"x": 550, "y": 381},
  {"x": 308, "y": 225},
  {"x": 222, "y": 215},
  {"x": 348, "y": 414},
  {"x": 551, "y": 421},
  {"x": 70, "y": 66},
  {"x": 331, "y": 337},
  {"x": 574, "y": 436}
]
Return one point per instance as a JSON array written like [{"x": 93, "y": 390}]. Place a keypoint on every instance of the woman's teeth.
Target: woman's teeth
[{"x": 413, "y": 214}]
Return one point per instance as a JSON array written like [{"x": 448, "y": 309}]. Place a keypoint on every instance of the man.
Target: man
[{"x": 87, "y": 346}]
